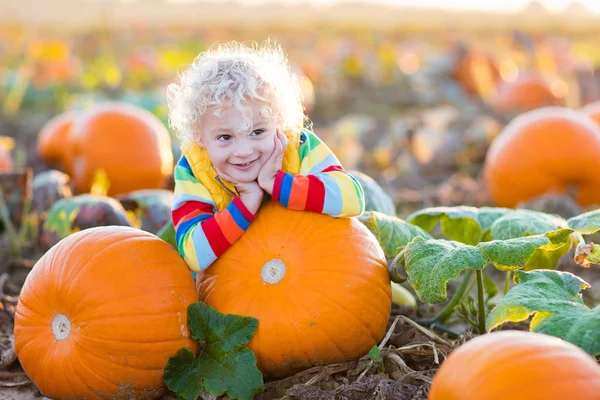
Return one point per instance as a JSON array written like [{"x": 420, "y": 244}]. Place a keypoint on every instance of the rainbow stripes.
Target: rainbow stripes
[
  {"x": 203, "y": 233},
  {"x": 322, "y": 186}
]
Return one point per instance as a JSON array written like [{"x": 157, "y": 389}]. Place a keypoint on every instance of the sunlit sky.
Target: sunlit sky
[{"x": 484, "y": 5}]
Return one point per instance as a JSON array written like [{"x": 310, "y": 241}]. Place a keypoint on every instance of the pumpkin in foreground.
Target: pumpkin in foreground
[
  {"x": 517, "y": 365},
  {"x": 100, "y": 314},
  {"x": 549, "y": 150},
  {"x": 318, "y": 285}
]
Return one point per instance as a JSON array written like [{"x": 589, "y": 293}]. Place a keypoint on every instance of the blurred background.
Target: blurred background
[{"x": 411, "y": 93}]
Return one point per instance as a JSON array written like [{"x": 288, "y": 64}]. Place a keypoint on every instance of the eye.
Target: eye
[
  {"x": 257, "y": 132},
  {"x": 224, "y": 138}
]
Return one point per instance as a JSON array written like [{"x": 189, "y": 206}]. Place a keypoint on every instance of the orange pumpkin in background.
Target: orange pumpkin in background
[
  {"x": 593, "y": 110},
  {"x": 553, "y": 149},
  {"x": 6, "y": 160},
  {"x": 128, "y": 143},
  {"x": 100, "y": 314},
  {"x": 476, "y": 72},
  {"x": 517, "y": 365},
  {"x": 527, "y": 92},
  {"x": 53, "y": 138},
  {"x": 319, "y": 287}
]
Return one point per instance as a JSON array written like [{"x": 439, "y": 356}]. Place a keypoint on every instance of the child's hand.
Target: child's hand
[
  {"x": 266, "y": 176},
  {"x": 250, "y": 193}
]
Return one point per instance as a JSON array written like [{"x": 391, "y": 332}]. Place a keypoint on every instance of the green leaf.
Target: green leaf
[
  {"x": 489, "y": 286},
  {"x": 555, "y": 300},
  {"x": 392, "y": 233},
  {"x": 431, "y": 263},
  {"x": 167, "y": 233},
  {"x": 375, "y": 353},
  {"x": 521, "y": 223},
  {"x": 224, "y": 365},
  {"x": 586, "y": 223},
  {"x": 513, "y": 254},
  {"x": 182, "y": 375},
  {"x": 463, "y": 223},
  {"x": 376, "y": 199}
]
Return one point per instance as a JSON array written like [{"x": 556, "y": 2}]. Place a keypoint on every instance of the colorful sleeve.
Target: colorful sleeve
[
  {"x": 203, "y": 233},
  {"x": 322, "y": 186}
]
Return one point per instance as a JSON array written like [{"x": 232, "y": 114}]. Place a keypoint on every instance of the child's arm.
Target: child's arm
[
  {"x": 202, "y": 233},
  {"x": 322, "y": 186}
]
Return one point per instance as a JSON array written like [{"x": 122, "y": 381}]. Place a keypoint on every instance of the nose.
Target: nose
[{"x": 243, "y": 149}]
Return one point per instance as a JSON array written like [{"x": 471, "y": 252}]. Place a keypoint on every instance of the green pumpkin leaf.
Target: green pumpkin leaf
[
  {"x": 521, "y": 223},
  {"x": 376, "y": 199},
  {"x": 182, "y": 375},
  {"x": 224, "y": 364},
  {"x": 431, "y": 263},
  {"x": 375, "y": 353},
  {"x": 555, "y": 300},
  {"x": 391, "y": 232},
  {"x": 489, "y": 286},
  {"x": 463, "y": 223},
  {"x": 513, "y": 254},
  {"x": 167, "y": 233},
  {"x": 586, "y": 223}
]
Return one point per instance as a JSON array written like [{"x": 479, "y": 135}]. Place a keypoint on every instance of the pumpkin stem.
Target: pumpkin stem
[
  {"x": 273, "y": 271},
  {"x": 61, "y": 326}
]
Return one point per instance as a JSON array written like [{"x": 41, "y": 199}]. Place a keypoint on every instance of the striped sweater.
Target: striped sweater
[{"x": 203, "y": 233}]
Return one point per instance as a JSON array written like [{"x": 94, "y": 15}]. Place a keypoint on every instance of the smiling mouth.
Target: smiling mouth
[{"x": 244, "y": 165}]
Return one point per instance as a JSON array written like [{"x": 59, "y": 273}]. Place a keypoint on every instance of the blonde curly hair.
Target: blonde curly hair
[{"x": 236, "y": 74}]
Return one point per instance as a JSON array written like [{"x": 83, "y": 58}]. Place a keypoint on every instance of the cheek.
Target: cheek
[
  {"x": 217, "y": 156},
  {"x": 267, "y": 148}
]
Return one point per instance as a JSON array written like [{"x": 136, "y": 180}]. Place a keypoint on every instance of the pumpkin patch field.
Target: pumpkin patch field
[{"x": 473, "y": 273}]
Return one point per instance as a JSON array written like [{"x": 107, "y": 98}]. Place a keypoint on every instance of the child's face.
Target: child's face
[{"x": 234, "y": 151}]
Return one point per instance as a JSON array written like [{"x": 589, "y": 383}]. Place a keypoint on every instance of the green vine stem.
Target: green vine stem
[
  {"x": 480, "y": 301},
  {"x": 13, "y": 238},
  {"x": 507, "y": 281},
  {"x": 579, "y": 238},
  {"x": 26, "y": 219},
  {"x": 449, "y": 308}
]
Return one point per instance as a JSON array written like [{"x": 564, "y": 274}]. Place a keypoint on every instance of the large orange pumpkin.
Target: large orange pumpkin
[
  {"x": 100, "y": 314},
  {"x": 517, "y": 365},
  {"x": 530, "y": 91},
  {"x": 54, "y": 136},
  {"x": 553, "y": 149},
  {"x": 128, "y": 143},
  {"x": 318, "y": 285}
]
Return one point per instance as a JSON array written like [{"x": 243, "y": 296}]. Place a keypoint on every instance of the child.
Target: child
[{"x": 238, "y": 112}]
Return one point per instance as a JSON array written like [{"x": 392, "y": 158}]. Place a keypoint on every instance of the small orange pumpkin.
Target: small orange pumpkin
[
  {"x": 100, "y": 314},
  {"x": 476, "y": 72},
  {"x": 593, "y": 110},
  {"x": 318, "y": 285},
  {"x": 553, "y": 149},
  {"x": 128, "y": 143},
  {"x": 528, "y": 92},
  {"x": 517, "y": 365},
  {"x": 6, "y": 160},
  {"x": 54, "y": 136}
]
